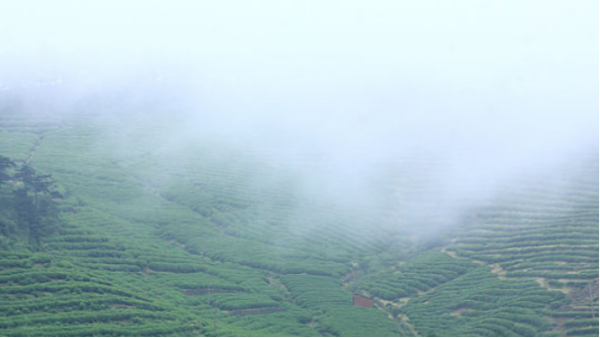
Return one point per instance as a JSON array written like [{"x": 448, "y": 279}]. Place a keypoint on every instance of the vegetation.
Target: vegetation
[
  {"x": 140, "y": 238},
  {"x": 29, "y": 204}
]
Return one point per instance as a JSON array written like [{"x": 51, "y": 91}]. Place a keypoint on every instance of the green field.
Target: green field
[{"x": 157, "y": 237}]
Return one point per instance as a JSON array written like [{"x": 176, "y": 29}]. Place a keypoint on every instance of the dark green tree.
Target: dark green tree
[
  {"x": 5, "y": 165},
  {"x": 24, "y": 208},
  {"x": 26, "y": 175},
  {"x": 34, "y": 203},
  {"x": 7, "y": 224},
  {"x": 36, "y": 184}
]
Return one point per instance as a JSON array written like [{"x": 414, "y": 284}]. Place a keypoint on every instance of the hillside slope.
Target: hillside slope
[{"x": 163, "y": 238}]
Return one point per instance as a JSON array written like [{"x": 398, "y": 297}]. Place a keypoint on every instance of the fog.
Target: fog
[{"x": 339, "y": 93}]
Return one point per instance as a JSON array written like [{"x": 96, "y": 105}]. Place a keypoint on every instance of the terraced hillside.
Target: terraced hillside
[
  {"x": 131, "y": 259},
  {"x": 526, "y": 264},
  {"x": 163, "y": 237},
  {"x": 547, "y": 232}
]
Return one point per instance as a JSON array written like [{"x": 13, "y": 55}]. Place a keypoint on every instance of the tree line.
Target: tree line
[{"x": 28, "y": 202}]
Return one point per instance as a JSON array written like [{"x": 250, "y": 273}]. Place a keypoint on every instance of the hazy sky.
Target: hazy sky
[
  {"x": 494, "y": 82},
  {"x": 517, "y": 46},
  {"x": 475, "y": 60}
]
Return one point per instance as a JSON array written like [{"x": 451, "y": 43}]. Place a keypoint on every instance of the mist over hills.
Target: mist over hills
[
  {"x": 243, "y": 235},
  {"x": 298, "y": 168}
]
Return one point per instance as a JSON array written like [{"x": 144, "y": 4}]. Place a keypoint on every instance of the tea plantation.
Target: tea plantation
[{"x": 154, "y": 236}]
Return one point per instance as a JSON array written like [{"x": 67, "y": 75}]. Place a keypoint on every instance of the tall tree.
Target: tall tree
[
  {"x": 34, "y": 202},
  {"x": 27, "y": 215},
  {"x": 5, "y": 165},
  {"x": 34, "y": 183}
]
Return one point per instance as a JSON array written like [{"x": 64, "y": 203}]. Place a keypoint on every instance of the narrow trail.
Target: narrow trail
[
  {"x": 35, "y": 147},
  {"x": 406, "y": 321},
  {"x": 402, "y": 321},
  {"x": 501, "y": 273},
  {"x": 55, "y": 123}
]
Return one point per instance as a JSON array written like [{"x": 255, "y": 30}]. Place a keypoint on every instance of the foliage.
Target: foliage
[
  {"x": 213, "y": 241},
  {"x": 34, "y": 207},
  {"x": 6, "y": 164}
]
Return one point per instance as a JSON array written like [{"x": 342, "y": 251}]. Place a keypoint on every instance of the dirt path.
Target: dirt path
[
  {"x": 411, "y": 327},
  {"x": 35, "y": 147}
]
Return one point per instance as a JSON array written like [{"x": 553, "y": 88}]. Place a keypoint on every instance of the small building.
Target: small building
[{"x": 362, "y": 301}]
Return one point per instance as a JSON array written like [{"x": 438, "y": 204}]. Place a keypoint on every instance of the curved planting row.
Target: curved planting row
[{"x": 548, "y": 232}]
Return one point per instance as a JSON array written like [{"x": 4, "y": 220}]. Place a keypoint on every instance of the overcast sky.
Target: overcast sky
[
  {"x": 511, "y": 45},
  {"x": 502, "y": 79}
]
